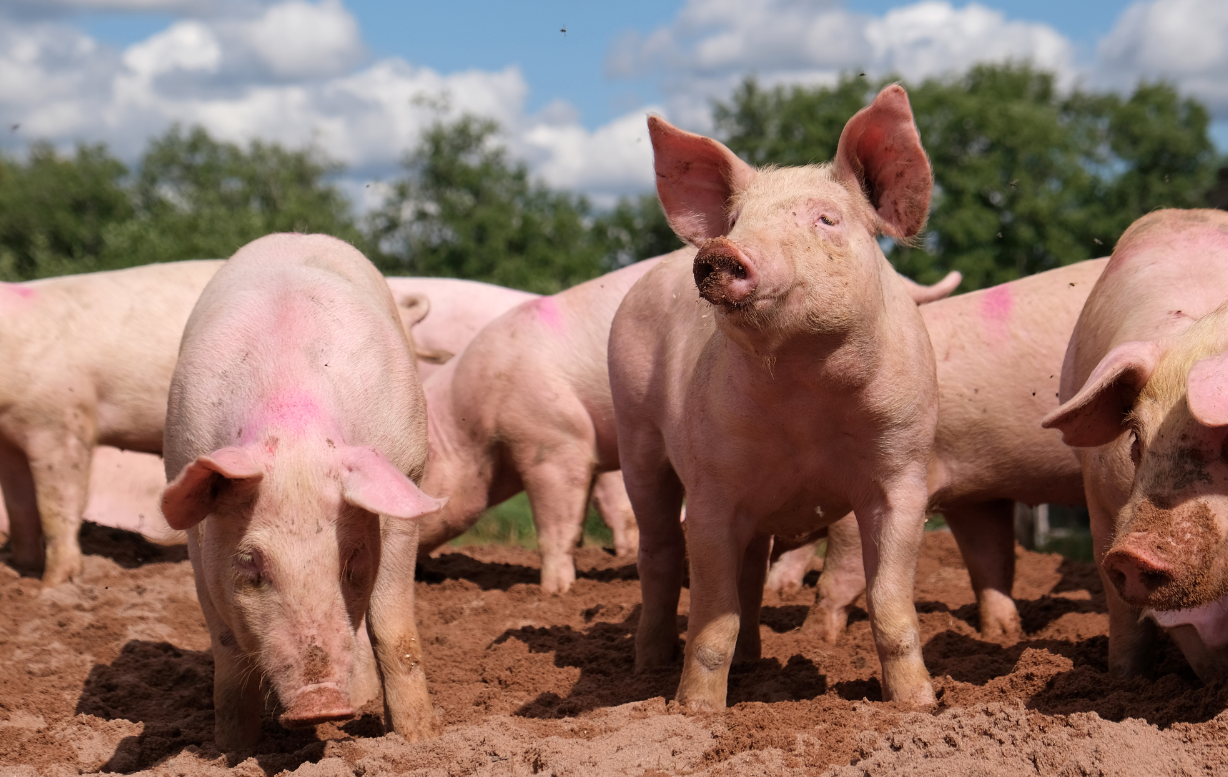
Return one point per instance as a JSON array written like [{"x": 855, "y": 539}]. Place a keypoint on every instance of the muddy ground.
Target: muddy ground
[{"x": 114, "y": 674}]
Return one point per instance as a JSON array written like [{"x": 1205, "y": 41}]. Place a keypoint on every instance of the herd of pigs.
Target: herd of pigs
[{"x": 322, "y": 428}]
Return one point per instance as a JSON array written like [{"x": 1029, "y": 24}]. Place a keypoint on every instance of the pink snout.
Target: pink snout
[
  {"x": 317, "y": 703},
  {"x": 1138, "y": 573},
  {"x": 724, "y": 273}
]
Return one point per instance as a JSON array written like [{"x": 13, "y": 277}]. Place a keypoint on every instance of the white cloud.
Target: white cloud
[
  {"x": 614, "y": 158},
  {"x": 105, "y": 5},
  {"x": 187, "y": 45},
  {"x": 1182, "y": 41},
  {"x": 300, "y": 39}
]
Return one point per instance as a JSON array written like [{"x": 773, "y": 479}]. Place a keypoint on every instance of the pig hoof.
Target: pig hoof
[
  {"x": 825, "y": 626},
  {"x": 317, "y": 704}
]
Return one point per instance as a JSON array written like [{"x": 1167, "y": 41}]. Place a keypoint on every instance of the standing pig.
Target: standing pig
[
  {"x": 87, "y": 361},
  {"x": 294, "y": 426},
  {"x": 999, "y": 354},
  {"x": 801, "y": 385},
  {"x": 1144, "y": 402}
]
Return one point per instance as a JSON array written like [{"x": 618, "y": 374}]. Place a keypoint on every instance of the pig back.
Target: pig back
[{"x": 999, "y": 356}]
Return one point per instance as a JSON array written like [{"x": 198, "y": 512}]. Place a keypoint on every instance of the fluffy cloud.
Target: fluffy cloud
[
  {"x": 299, "y": 39},
  {"x": 1182, "y": 41}
]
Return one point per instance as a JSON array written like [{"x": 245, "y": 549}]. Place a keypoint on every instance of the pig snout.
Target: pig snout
[
  {"x": 724, "y": 274},
  {"x": 1138, "y": 573},
  {"x": 318, "y": 703}
]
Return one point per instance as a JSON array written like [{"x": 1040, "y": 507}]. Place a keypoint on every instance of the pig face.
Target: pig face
[
  {"x": 795, "y": 249},
  {"x": 1163, "y": 404},
  {"x": 289, "y": 555}
]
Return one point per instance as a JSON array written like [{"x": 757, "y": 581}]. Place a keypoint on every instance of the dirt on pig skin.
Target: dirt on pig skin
[{"x": 114, "y": 674}]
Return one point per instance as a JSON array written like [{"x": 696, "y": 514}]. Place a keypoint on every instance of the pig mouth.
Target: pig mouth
[
  {"x": 317, "y": 703},
  {"x": 1210, "y": 621}
]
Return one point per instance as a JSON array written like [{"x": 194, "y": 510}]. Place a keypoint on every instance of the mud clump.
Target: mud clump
[{"x": 114, "y": 674}]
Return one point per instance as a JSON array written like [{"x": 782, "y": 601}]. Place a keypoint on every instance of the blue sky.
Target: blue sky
[{"x": 342, "y": 74}]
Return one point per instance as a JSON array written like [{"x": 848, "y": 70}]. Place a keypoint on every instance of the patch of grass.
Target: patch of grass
[
  {"x": 935, "y": 522},
  {"x": 511, "y": 523}
]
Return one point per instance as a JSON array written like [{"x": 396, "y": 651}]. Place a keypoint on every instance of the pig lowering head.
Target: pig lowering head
[
  {"x": 290, "y": 545},
  {"x": 1164, "y": 403},
  {"x": 795, "y": 249}
]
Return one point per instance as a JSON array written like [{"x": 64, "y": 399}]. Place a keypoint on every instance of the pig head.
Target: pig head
[
  {"x": 1164, "y": 404},
  {"x": 290, "y": 545}
]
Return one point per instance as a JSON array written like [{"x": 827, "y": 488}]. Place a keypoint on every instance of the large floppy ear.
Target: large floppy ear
[
  {"x": 880, "y": 152},
  {"x": 191, "y": 496},
  {"x": 696, "y": 176},
  {"x": 371, "y": 482},
  {"x": 1095, "y": 415},
  {"x": 1207, "y": 391}
]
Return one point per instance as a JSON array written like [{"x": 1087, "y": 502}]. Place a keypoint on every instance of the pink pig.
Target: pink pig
[
  {"x": 1144, "y": 402},
  {"x": 797, "y": 385},
  {"x": 295, "y": 425},
  {"x": 989, "y": 450}
]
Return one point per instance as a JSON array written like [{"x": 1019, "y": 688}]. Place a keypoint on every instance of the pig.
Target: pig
[
  {"x": 527, "y": 406},
  {"x": 1143, "y": 404},
  {"x": 295, "y": 429},
  {"x": 88, "y": 359},
  {"x": 798, "y": 384},
  {"x": 999, "y": 353}
]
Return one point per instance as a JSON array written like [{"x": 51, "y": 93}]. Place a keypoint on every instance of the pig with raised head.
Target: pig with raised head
[
  {"x": 1145, "y": 403},
  {"x": 797, "y": 385},
  {"x": 87, "y": 361},
  {"x": 295, "y": 429},
  {"x": 999, "y": 354}
]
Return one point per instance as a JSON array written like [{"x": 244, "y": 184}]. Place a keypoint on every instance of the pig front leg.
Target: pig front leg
[
  {"x": 25, "y": 533},
  {"x": 558, "y": 493},
  {"x": 610, "y": 499},
  {"x": 393, "y": 631},
  {"x": 891, "y": 528},
  {"x": 986, "y": 537},
  {"x": 60, "y": 466},
  {"x": 1131, "y": 640},
  {"x": 237, "y": 698},
  {"x": 841, "y": 582},
  {"x": 656, "y": 494}
]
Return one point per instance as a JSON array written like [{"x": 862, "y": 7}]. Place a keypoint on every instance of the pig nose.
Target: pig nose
[
  {"x": 317, "y": 703},
  {"x": 1137, "y": 574},
  {"x": 724, "y": 273}
]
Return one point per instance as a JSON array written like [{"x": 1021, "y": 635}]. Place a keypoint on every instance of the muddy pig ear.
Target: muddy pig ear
[
  {"x": 696, "y": 176},
  {"x": 1095, "y": 416},
  {"x": 371, "y": 482},
  {"x": 1207, "y": 388},
  {"x": 190, "y": 497},
  {"x": 880, "y": 152}
]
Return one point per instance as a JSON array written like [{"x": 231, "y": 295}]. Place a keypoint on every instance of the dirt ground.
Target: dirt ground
[{"x": 114, "y": 674}]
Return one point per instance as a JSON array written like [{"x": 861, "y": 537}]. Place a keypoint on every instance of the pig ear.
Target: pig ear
[
  {"x": 696, "y": 176},
  {"x": 1095, "y": 415},
  {"x": 190, "y": 497},
  {"x": 880, "y": 152},
  {"x": 1207, "y": 388},
  {"x": 372, "y": 483}
]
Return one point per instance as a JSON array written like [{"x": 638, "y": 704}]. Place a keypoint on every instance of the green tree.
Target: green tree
[
  {"x": 635, "y": 229},
  {"x": 465, "y": 210},
  {"x": 55, "y": 210},
  {"x": 196, "y": 197},
  {"x": 1026, "y": 178}
]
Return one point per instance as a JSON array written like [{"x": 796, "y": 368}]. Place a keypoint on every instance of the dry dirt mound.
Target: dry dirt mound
[{"x": 114, "y": 674}]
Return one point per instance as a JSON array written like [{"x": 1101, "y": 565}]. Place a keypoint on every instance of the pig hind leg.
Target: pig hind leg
[
  {"x": 558, "y": 493},
  {"x": 610, "y": 499},
  {"x": 60, "y": 465},
  {"x": 25, "y": 533},
  {"x": 841, "y": 583},
  {"x": 986, "y": 537},
  {"x": 788, "y": 568}
]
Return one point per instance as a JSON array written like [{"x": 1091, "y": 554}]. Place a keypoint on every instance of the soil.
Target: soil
[{"x": 113, "y": 673}]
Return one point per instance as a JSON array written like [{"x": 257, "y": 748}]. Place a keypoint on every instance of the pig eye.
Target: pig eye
[
  {"x": 249, "y": 564},
  {"x": 1136, "y": 448},
  {"x": 828, "y": 220}
]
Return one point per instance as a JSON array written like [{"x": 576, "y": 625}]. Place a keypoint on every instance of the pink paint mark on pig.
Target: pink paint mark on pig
[
  {"x": 18, "y": 292},
  {"x": 293, "y": 411},
  {"x": 549, "y": 313},
  {"x": 996, "y": 308}
]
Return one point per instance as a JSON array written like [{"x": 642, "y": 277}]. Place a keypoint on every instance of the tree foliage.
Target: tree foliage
[{"x": 1026, "y": 178}]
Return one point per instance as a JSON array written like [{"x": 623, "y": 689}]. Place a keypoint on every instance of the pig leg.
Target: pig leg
[
  {"x": 716, "y": 553},
  {"x": 841, "y": 582},
  {"x": 393, "y": 631},
  {"x": 365, "y": 684},
  {"x": 891, "y": 529},
  {"x": 60, "y": 464},
  {"x": 558, "y": 493},
  {"x": 1131, "y": 641},
  {"x": 787, "y": 571},
  {"x": 750, "y": 597},
  {"x": 986, "y": 537},
  {"x": 610, "y": 499},
  {"x": 656, "y": 494},
  {"x": 25, "y": 534}
]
